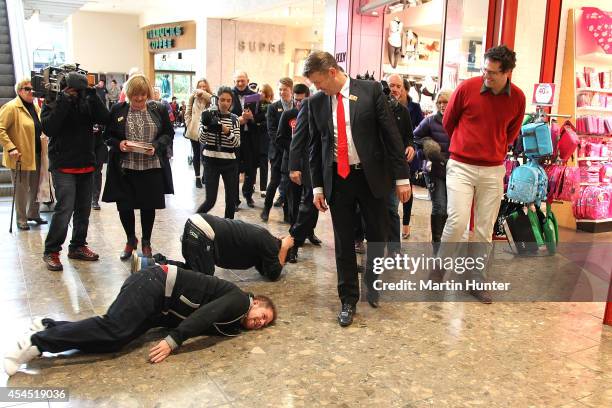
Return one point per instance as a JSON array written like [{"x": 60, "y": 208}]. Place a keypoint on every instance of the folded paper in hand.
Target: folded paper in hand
[{"x": 138, "y": 147}]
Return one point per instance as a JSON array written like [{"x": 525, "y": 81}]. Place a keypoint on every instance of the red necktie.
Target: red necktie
[{"x": 343, "y": 159}]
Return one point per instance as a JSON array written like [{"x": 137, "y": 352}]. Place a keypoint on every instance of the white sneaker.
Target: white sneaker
[
  {"x": 135, "y": 263},
  {"x": 37, "y": 325},
  {"x": 23, "y": 352}
]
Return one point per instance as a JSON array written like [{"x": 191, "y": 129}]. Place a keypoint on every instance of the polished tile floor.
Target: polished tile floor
[{"x": 401, "y": 355}]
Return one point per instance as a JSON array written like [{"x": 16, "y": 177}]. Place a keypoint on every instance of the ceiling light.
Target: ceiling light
[{"x": 375, "y": 13}]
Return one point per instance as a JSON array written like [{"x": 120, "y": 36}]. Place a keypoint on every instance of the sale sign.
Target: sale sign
[{"x": 543, "y": 94}]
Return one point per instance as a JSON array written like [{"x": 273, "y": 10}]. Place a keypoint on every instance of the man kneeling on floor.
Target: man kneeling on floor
[
  {"x": 231, "y": 244},
  {"x": 189, "y": 303}
]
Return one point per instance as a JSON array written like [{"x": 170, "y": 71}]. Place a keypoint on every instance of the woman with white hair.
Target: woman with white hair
[
  {"x": 433, "y": 139},
  {"x": 20, "y": 132}
]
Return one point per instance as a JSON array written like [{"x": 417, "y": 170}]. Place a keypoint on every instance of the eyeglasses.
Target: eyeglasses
[
  {"x": 27, "y": 89},
  {"x": 490, "y": 73}
]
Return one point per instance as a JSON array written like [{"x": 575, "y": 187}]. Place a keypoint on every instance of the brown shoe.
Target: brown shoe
[
  {"x": 83, "y": 253},
  {"x": 53, "y": 262},
  {"x": 146, "y": 249},
  {"x": 483, "y": 296}
]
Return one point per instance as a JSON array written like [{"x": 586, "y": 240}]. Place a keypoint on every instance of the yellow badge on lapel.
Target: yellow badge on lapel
[
  {"x": 353, "y": 98},
  {"x": 120, "y": 118}
]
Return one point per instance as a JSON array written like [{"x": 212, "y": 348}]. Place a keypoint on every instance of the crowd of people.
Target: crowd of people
[{"x": 347, "y": 147}]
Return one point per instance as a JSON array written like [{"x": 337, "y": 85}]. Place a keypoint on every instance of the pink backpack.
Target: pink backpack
[
  {"x": 570, "y": 184},
  {"x": 555, "y": 178},
  {"x": 605, "y": 173},
  {"x": 594, "y": 203},
  {"x": 568, "y": 141}
]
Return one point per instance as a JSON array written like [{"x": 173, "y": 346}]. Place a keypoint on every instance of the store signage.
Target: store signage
[
  {"x": 543, "y": 94},
  {"x": 341, "y": 57},
  {"x": 161, "y": 38},
  {"x": 254, "y": 46}
]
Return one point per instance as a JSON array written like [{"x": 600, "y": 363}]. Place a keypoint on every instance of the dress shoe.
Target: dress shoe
[
  {"x": 262, "y": 194},
  {"x": 95, "y": 205},
  {"x": 292, "y": 254},
  {"x": 53, "y": 262},
  {"x": 130, "y": 247},
  {"x": 314, "y": 240},
  {"x": 146, "y": 248},
  {"x": 23, "y": 352},
  {"x": 483, "y": 296},
  {"x": 265, "y": 214},
  {"x": 198, "y": 182},
  {"x": 23, "y": 226},
  {"x": 250, "y": 202},
  {"x": 360, "y": 247},
  {"x": 38, "y": 220},
  {"x": 373, "y": 298},
  {"x": 83, "y": 253},
  {"x": 345, "y": 317},
  {"x": 279, "y": 202}
]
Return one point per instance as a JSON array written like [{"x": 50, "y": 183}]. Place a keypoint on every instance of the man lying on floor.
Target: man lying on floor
[
  {"x": 189, "y": 303},
  {"x": 231, "y": 244}
]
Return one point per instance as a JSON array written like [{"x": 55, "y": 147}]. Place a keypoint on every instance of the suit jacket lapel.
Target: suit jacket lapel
[
  {"x": 352, "y": 103},
  {"x": 330, "y": 118}
]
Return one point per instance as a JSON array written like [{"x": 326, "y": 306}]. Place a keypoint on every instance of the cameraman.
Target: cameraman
[
  {"x": 404, "y": 124},
  {"x": 69, "y": 120},
  {"x": 220, "y": 136}
]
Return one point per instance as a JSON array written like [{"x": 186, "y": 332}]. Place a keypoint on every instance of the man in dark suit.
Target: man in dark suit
[
  {"x": 249, "y": 143},
  {"x": 356, "y": 156},
  {"x": 275, "y": 110},
  {"x": 299, "y": 173}
]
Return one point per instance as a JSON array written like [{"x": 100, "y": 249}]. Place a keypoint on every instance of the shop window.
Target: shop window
[
  {"x": 530, "y": 22},
  {"x": 466, "y": 28}
]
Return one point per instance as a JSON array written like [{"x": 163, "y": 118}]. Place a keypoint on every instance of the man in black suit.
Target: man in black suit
[
  {"x": 356, "y": 156},
  {"x": 275, "y": 110},
  {"x": 249, "y": 142},
  {"x": 299, "y": 173}
]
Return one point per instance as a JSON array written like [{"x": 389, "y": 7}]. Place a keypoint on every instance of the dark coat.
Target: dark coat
[
  {"x": 431, "y": 127},
  {"x": 115, "y": 188},
  {"x": 275, "y": 110},
  {"x": 208, "y": 304},
  {"x": 298, "y": 150},
  {"x": 284, "y": 136},
  {"x": 375, "y": 134},
  {"x": 69, "y": 124}
]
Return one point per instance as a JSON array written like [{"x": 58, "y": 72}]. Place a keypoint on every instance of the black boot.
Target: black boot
[
  {"x": 265, "y": 214},
  {"x": 437, "y": 228}
]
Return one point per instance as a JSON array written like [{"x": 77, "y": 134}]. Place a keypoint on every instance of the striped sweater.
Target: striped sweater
[{"x": 219, "y": 145}]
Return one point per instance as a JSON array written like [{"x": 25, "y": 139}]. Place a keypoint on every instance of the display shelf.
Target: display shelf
[
  {"x": 593, "y": 135},
  {"x": 600, "y": 90},
  {"x": 603, "y": 225},
  {"x": 595, "y": 57},
  {"x": 592, "y": 184},
  {"x": 593, "y": 109},
  {"x": 593, "y": 159}
]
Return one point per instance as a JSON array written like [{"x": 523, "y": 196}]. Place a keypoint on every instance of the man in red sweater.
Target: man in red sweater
[{"x": 483, "y": 117}]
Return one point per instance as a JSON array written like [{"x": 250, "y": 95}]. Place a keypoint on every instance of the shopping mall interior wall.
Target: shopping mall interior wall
[
  {"x": 571, "y": 4},
  {"x": 259, "y": 55},
  {"x": 106, "y": 42},
  {"x": 528, "y": 44}
]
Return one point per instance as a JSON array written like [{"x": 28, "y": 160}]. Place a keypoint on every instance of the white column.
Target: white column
[
  {"x": 19, "y": 44},
  {"x": 201, "y": 46},
  {"x": 329, "y": 33}
]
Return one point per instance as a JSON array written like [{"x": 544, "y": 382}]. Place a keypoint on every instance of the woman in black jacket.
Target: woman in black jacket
[
  {"x": 431, "y": 136},
  {"x": 138, "y": 178}
]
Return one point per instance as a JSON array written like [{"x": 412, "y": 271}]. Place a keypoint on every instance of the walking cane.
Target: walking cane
[{"x": 17, "y": 180}]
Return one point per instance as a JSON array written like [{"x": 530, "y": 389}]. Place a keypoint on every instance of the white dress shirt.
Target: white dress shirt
[{"x": 352, "y": 150}]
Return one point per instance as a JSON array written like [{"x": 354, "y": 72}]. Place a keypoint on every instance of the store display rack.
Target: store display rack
[{"x": 574, "y": 62}]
